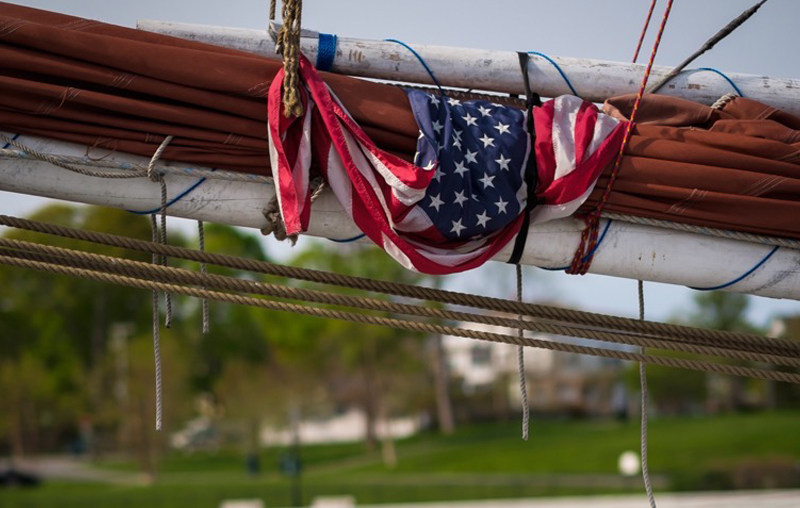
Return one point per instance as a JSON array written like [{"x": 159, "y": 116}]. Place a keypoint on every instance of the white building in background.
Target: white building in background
[{"x": 557, "y": 382}]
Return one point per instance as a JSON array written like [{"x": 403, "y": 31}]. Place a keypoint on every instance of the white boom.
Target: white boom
[
  {"x": 499, "y": 71},
  {"x": 629, "y": 251}
]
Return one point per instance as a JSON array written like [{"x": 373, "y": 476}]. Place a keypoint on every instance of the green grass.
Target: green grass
[{"x": 479, "y": 461}]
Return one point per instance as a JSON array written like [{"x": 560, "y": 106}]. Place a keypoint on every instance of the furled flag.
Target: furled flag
[{"x": 463, "y": 198}]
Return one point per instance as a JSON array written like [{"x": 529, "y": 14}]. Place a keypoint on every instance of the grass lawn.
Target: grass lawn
[{"x": 480, "y": 461}]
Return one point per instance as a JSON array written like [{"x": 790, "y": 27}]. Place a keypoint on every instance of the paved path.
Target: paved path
[{"x": 741, "y": 499}]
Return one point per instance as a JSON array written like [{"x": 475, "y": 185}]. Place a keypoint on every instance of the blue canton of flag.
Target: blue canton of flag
[{"x": 478, "y": 151}]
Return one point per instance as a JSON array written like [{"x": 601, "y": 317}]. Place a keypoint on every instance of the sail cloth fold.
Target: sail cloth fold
[{"x": 113, "y": 88}]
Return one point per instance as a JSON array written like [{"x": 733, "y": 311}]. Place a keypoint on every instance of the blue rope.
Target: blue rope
[
  {"x": 558, "y": 68},
  {"x": 326, "y": 51},
  {"x": 173, "y": 200},
  {"x": 348, "y": 240},
  {"x": 741, "y": 277},
  {"x": 587, "y": 256},
  {"x": 9, "y": 144},
  {"x": 729, "y": 80},
  {"x": 430, "y": 72}
]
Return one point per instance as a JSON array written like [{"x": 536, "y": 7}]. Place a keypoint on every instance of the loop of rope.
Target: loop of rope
[
  {"x": 162, "y": 234},
  {"x": 581, "y": 262}
]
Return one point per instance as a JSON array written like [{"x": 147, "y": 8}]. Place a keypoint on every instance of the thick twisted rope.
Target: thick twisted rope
[
  {"x": 201, "y": 236},
  {"x": 288, "y": 44},
  {"x": 408, "y": 325},
  {"x": 156, "y": 328},
  {"x": 77, "y": 259},
  {"x": 742, "y": 341},
  {"x": 155, "y": 176}
]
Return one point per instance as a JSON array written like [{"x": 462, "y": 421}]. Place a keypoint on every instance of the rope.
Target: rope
[
  {"x": 741, "y": 341},
  {"x": 272, "y": 9},
  {"x": 34, "y": 154},
  {"x": 644, "y": 30},
  {"x": 125, "y": 267},
  {"x": 288, "y": 44},
  {"x": 201, "y": 235},
  {"x": 162, "y": 234},
  {"x": 558, "y": 68},
  {"x": 156, "y": 328},
  {"x": 710, "y": 43},
  {"x": 422, "y": 61},
  {"x": 141, "y": 169},
  {"x": 648, "y": 486},
  {"x": 742, "y": 276},
  {"x": 725, "y": 77},
  {"x": 789, "y": 243},
  {"x": 523, "y": 388},
  {"x": 412, "y": 326},
  {"x": 580, "y": 265}
]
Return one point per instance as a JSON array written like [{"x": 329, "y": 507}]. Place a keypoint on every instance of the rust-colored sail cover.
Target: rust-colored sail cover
[{"x": 115, "y": 88}]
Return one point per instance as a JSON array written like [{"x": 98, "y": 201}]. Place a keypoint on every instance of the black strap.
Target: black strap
[{"x": 532, "y": 100}]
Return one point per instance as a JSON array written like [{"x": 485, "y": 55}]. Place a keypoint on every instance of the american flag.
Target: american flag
[{"x": 462, "y": 200}]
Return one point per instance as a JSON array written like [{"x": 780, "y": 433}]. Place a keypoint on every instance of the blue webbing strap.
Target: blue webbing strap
[{"x": 326, "y": 51}]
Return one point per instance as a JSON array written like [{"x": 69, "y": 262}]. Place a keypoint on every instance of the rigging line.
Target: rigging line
[
  {"x": 725, "y": 77},
  {"x": 558, "y": 68},
  {"x": 744, "y": 340},
  {"x": 588, "y": 255},
  {"x": 422, "y": 61},
  {"x": 409, "y": 325},
  {"x": 644, "y": 30},
  {"x": 523, "y": 384},
  {"x": 648, "y": 486},
  {"x": 171, "y": 201},
  {"x": 130, "y": 268},
  {"x": 741, "y": 277},
  {"x": 710, "y": 43}
]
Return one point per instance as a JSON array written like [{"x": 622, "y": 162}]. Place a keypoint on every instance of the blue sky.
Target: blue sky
[{"x": 606, "y": 30}]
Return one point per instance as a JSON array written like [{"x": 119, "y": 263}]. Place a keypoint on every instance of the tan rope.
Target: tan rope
[
  {"x": 648, "y": 486},
  {"x": 155, "y": 176},
  {"x": 176, "y": 275},
  {"x": 413, "y": 326},
  {"x": 288, "y": 44},
  {"x": 741, "y": 341},
  {"x": 142, "y": 270}
]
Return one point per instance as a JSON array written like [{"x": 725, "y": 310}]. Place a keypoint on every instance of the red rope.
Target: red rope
[
  {"x": 644, "y": 30},
  {"x": 585, "y": 252}
]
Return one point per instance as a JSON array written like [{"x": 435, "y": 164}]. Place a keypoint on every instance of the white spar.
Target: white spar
[
  {"x": 628, "y": 250},
  {"x": 499, "y": 71}
]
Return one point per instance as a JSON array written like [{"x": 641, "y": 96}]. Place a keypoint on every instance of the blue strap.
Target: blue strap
[
  {"x": 326, "y": 51},
  {"x": 729, "y": 80},
  {"x": 742, "y": 276}
]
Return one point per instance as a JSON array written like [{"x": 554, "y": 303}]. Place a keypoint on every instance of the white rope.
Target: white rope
[
  {"x": 648, "y": 487},
  {"x": 162, "y": 235},
  {"x": 156, "y": 338},
  {"x": 201, "y": 234},
  {"x": 523, "y": 389}
]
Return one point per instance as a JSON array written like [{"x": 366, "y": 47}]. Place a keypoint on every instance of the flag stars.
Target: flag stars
[
  {"x": 429, "y": 166},
  {"x": 454, "y": 102},
  {"x": 502, "y": 128},
  {"x": 503, "y": 162},
  {"x": 436, "y": 202},
  {"x": 471, "y": 120},
  {"x": 434, "y": 100},
  {"x": 438, "y": 174},
  {"x": 456, "y": 142},
  {"x": 484, "y": 111},
  {"x": 470, "y": 156},
  {"x": 461, "y": 168},
  {"x": 487, "y": 180},
  {"x": 460, "y": 198},
  {"x": 457, "y": 227},
  {"x": 501, "y": 206},
  {"x": 483, "y": 219},
  {"x": 487, "y": 141},
  {"x": 437, "y": 127}
]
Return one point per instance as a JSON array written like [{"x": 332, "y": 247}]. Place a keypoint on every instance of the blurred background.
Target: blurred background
[{"x": 287, "y": 410}]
